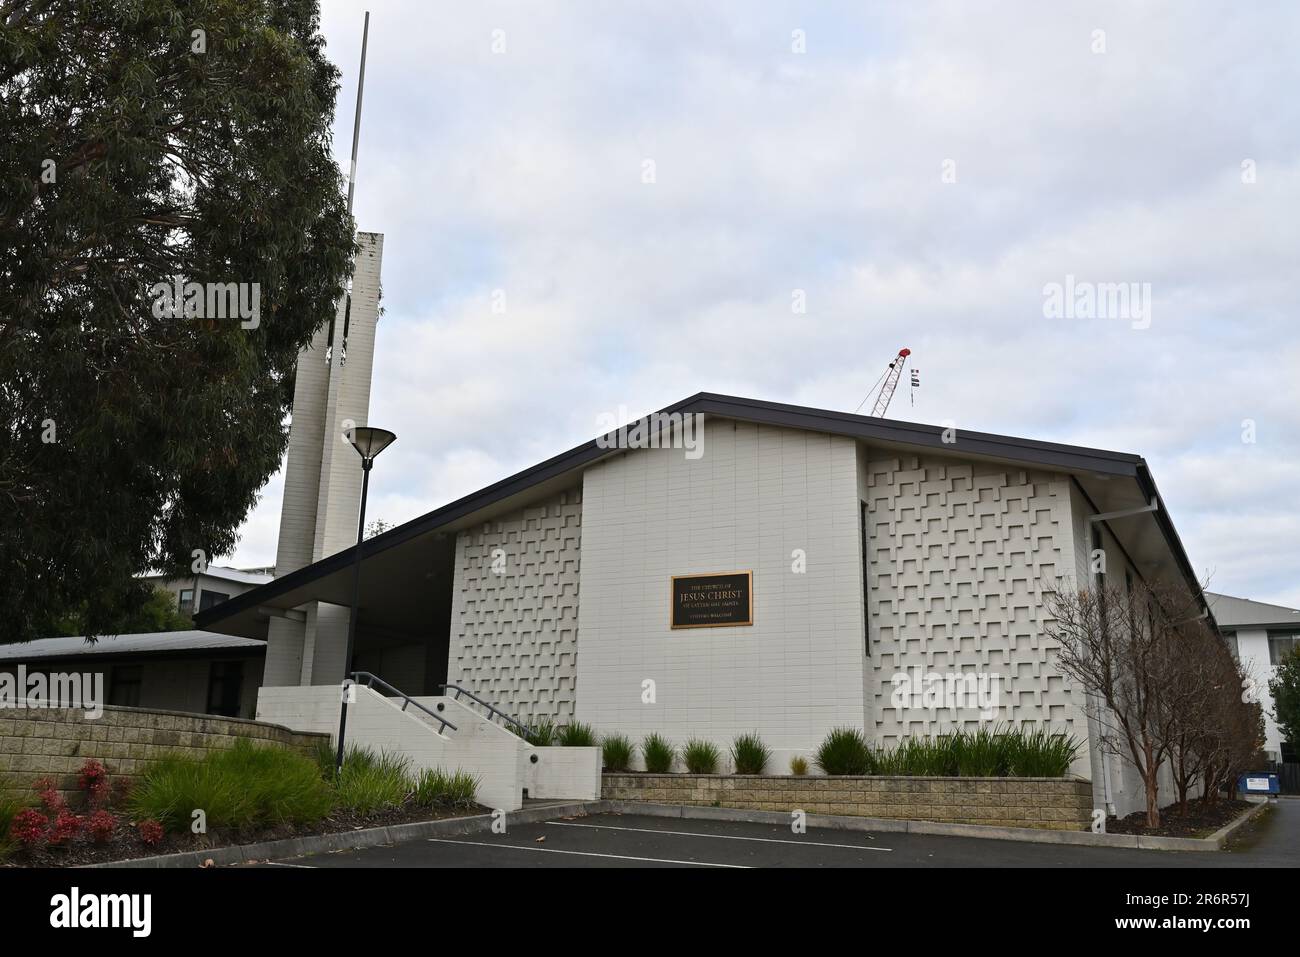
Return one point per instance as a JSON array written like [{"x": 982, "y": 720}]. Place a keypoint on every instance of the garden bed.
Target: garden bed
[
  {"x": 238, "y": 796},
  {"x": 125, "y": 844},
  {"x": 1202, "y": 820}
]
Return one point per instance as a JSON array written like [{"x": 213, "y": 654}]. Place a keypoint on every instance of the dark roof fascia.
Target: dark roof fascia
[
  {"x": 116, "y": 657},
  {"x": 1029, "y": 451}
]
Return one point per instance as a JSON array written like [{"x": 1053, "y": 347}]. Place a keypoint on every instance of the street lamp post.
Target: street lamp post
[{"x": 369, "y": 443}]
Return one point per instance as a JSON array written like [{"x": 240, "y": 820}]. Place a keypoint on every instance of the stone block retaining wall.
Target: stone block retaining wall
[
  {"x": 55, "y": 742},
  {"x": 1004, "y": 802}
]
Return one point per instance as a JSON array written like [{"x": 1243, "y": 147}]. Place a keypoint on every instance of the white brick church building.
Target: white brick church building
[{"x": 777, "y": 577}]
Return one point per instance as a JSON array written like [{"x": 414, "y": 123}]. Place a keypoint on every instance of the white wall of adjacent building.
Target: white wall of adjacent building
[{"x": 1252, "y": 650}]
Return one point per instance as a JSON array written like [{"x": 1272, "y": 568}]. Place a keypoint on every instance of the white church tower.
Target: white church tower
[
  {"x": 322, "y": 479},
  {"x": 322, "y": 483}
]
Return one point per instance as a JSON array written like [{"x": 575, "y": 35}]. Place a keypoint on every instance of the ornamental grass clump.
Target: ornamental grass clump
[
  {"x": 659, "y": 754},
  {"x": 1041, "y": 753},
  {"x": 749, "y": 755},
  {"x": 701, "y": 757},
  {"x": 540, "y": 733},
  {"x": 616, "y": 752},
  {"x": 373, "y": 781},
  {"x": 844, "y": 751},
  {"x": 243, "y": 786},
  {"x": 435, "y": 787},
  {"x": 577, "y": 735}
]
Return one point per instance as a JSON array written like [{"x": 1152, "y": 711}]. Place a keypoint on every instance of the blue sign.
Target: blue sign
[{"x": 1259, "y": 783}]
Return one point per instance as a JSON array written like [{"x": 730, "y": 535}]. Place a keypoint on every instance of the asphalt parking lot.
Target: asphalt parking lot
[{"x": 626, "y": 840}]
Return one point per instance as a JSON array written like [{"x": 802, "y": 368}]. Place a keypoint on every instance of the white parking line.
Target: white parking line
[
  {"x": 725, "y": 837},
  {"x": 309, "y": 867},
  {"x": 616, "y": 857}
]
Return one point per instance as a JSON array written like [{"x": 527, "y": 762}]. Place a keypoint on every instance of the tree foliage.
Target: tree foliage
[
  {"x": 143, "y": 140},
  {"x": 1285, "y": 688},
  {"x": 158, "y": 613}
]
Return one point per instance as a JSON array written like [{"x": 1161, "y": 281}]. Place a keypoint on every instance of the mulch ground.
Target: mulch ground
[
  {"x": 1201, "y": 819},
  {"x": 125, "y": 843}
]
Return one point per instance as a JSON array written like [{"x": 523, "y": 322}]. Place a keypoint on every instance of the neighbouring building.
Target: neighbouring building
[
  {"x": 212, "y": 586},
  {"x": 774, "y": 569},
  {"x": 1259, "y": 635},
  {"x": 193, "y": 671}
]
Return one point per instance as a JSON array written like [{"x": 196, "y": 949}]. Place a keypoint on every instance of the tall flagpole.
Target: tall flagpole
[
  {"x": 356, "y": 123},
  {"x": 365, "y": 482}
]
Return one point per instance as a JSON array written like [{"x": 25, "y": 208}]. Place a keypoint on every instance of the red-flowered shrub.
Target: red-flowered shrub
[
  {"x": 28, "y": 827},
  {"x": 66, "y": 826},
  {"x": 94, "y": 782},
  {"x": 151, "y": 832},
  {"x": 101, "y": 826},
  {"x": 49, "y": 795}
]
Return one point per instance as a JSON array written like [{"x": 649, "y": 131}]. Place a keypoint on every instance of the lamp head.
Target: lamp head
[{"x": 369, "y": 441}]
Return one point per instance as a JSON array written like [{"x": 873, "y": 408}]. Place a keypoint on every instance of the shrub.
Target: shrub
[
  {"x": 437, "y": 788},
  {"x": 101, "y": 826},
  {"x": 1041, "y": 753},
  {"x": 749, "y": 754},
  {"x": 701, "y": 757},
  {"x": 66, "y": 827},
  {"x": 93, "y": 782},
  {"x": 372, "y": 781},
  {"x": 577, "y": 735},
  {"x": 244, "y": 786},
  {"x": 616, "y": 752},
  {"x": 29, "y": 827},
  {"x": 151, "y": 832},
  {"x": 540, "y": 733},
  {"x": 844, "y": 751},
  {"x": 798, "y": 766},
  {"x": 48, "y": 795},
  {"x": 659, "y": 754}
]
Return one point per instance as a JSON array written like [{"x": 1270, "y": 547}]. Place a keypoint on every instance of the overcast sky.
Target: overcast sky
[{"x": 921, "y": 171}]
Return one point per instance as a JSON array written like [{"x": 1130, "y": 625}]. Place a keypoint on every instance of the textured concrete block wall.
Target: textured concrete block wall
[
  {"x": 514, "y": 619},
  {"x": 781, "y": 503},
  {"x": 961, "y": 556},
  {"x": 56, "y": 742},
  {"x": 1002, "y": 802}
]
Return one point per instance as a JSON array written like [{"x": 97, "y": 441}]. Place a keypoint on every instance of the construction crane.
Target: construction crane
[{"x": 887, "y": 383}]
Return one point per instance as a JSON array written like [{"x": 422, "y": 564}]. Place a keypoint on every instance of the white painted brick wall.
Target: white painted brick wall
[{"x": 757, "y": 494}]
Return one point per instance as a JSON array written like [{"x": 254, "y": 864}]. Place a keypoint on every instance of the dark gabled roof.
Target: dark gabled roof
[{"x": 913, "y": 436}]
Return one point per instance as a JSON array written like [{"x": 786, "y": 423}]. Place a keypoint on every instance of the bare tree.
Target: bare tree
[
  {"x": 1204, "y": 680},
  {"x": 1124, "y": 645}
]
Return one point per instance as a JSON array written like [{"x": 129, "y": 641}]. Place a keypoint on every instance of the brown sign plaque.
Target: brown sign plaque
[{"x": 713, "y": 601}]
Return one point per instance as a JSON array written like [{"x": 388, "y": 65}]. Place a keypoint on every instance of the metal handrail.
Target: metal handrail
[
  {"x": 492, "y": 709},
  {"x": 406, "y": 698}
]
